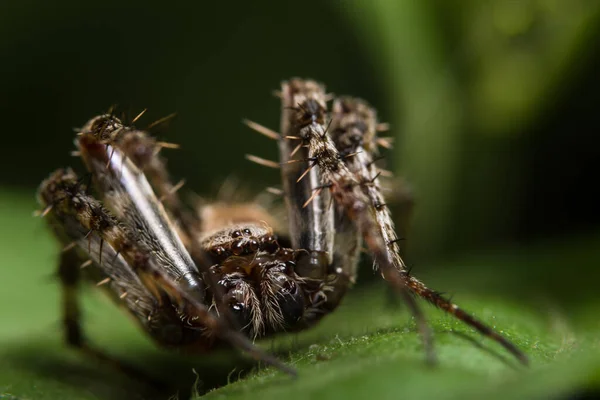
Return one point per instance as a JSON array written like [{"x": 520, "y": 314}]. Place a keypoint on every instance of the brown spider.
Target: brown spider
[{"x": 230, "y": 274}]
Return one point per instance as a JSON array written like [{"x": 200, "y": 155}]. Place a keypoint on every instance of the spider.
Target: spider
[{"x": 231, "y": 274}]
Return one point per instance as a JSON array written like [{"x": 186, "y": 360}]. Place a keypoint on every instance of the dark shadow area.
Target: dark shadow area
[
  {"x": 559, "y": 194},
  {"x": 541, "y": 275},
  {"x": 582, "y": 394},
  {"x": 211, "y": 63},
  {"x": 169, "y": 374}
]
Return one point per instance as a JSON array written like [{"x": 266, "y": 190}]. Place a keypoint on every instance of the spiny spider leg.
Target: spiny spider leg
[
  {"x": 309, "y": 199},
  {"x": 173, "y": 316},
  {"x": 310, "y": 225},
  {"x": 64, "y": 195},
  {"x": 143, "y": 150},
  {"x": 307, "y": 193},
  {"x": 354, "y": 131},
  {"x": 127, "y": 193},
  {"x": 303, "y": 105},
  {"x": 138, "y": 153},
  {"x": 68, "y": 273}
]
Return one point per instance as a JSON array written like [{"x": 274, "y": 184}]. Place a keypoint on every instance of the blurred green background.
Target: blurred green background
[{"x": 493, "y": 105}]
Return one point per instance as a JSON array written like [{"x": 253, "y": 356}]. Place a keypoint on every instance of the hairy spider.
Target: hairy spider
[{"x": 230, "y": 273}]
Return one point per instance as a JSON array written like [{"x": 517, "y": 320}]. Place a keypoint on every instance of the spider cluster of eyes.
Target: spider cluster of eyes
[
  {"x": 258, "y": 276},
  {"x": 246, "y": 244}
]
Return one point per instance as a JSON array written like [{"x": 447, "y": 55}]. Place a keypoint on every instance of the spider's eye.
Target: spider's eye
[
  {"x": 291, "y": 302},
  {"x": 218, "y": 251},
  {"x": 252, "y": 244},
  {"x": 269, "y": 243},
  {"x": 237, "y": 247}
]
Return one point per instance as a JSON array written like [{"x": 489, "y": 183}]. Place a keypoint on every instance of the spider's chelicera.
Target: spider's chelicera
[{"x": 230, "y": 273}]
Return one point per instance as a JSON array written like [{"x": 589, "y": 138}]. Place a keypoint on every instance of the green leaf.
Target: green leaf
[{"x": 367, "y": 348}]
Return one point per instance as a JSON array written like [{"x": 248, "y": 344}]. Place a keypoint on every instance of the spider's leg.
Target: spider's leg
[
  {"x": 315, "y": 224},
  {"x": 137, "y": 151},
  {"x": 309, "y": 205},
  {"x": 144, "y": 152},
  {"x": 166, "y": 262},
  {"x": 327, "y": 246},
  {"x": 310, "y": 217},
  {"x": 355, "y": 132},
  {"x": 126, "y": 191},
  {"x": 308, "y": 118},
  {"x": 69, "y": 274},
  {"x": 130, "y": 156},
  {"x": 134, "y": 272}
]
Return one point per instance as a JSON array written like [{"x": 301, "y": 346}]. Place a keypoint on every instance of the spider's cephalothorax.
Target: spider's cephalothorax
[
  {"x": 259, "y": 280},
  {"x": 229, "y": 273}
]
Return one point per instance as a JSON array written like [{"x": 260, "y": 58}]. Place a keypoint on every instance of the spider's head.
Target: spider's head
[{"x": 263, "y": 291}]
